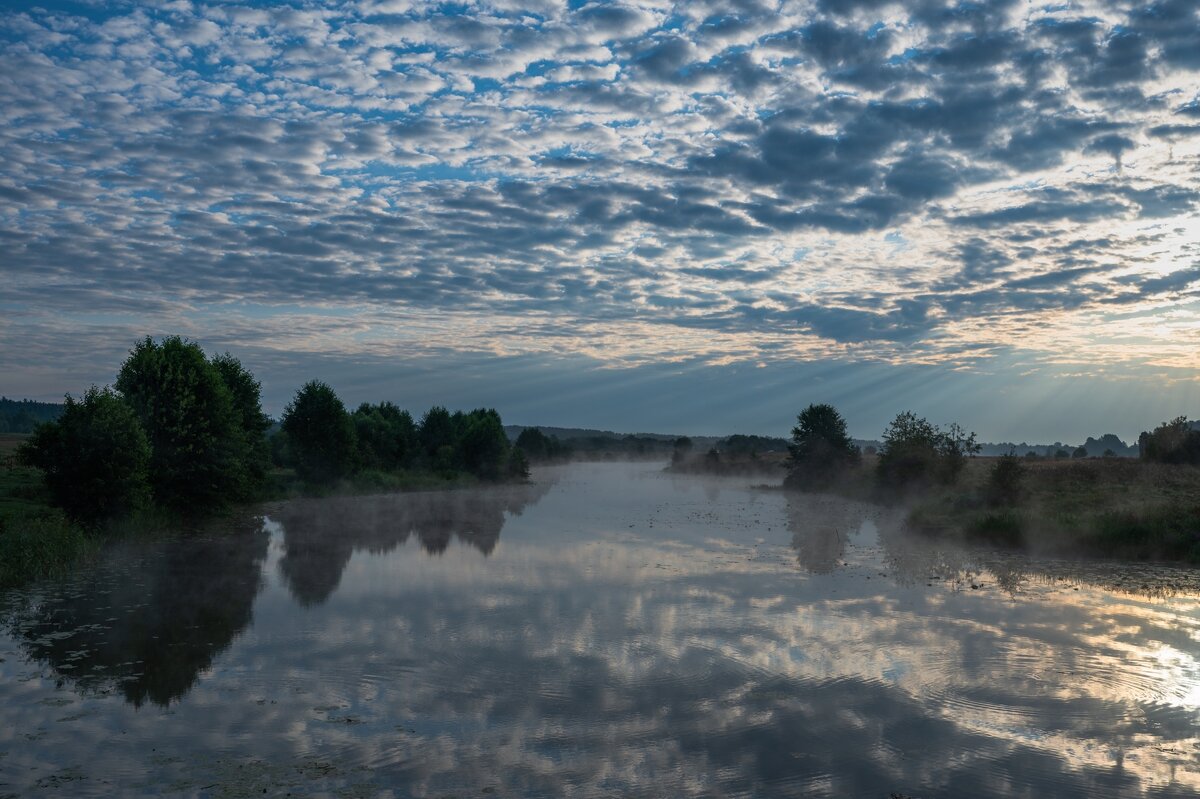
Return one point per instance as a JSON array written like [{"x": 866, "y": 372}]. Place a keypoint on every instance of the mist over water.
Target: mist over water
[{"x": 608, "y": 630}]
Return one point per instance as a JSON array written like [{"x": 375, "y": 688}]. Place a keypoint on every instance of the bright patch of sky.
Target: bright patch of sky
[{"x": 663, "y": 212}]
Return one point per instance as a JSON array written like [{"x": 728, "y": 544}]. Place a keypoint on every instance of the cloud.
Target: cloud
[{"x": 834, "y": 168}]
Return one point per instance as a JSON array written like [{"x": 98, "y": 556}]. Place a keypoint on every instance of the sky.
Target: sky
[{"x": 695, "y": 217}]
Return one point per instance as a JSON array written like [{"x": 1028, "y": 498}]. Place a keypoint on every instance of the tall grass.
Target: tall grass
[{"x": 41, "y": 545}]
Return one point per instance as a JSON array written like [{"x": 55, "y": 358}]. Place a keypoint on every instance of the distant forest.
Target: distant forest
[{"x": 21, "y": 416}]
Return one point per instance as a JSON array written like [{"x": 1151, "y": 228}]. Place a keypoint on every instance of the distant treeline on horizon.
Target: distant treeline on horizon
[{"x": 21, "y": 416}]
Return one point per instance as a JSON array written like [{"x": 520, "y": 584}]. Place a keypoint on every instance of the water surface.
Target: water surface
[{"x": 609, "y": 630}]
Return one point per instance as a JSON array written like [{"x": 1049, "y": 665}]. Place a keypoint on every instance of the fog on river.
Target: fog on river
[{"x": 607, "y": 630}]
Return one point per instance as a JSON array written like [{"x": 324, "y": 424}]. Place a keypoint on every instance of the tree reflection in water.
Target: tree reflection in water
[
  {"x": 151, "y": 637},
  {"x": 320, "y": 535}
]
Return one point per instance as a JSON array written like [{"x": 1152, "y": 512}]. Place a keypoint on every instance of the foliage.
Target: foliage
[
  {"x": 740, "y": 444},
  {"x": 1004, "y": 480},
  {"x": 483, "y": 444},
  {"x": 537, "y": 446},
  {"x": 320, "y": 433},
  {"x": 94, "y": 459},
  {"x": 246, "y": 395},
  {"x": 386, "y": 436},
  {"x": 436, "y": 431},
  {"x": 1176, "y": 441},
  {"x": 916, "y": 451},
  {"x": 680, "y": 449},
  {"x": 1080, "y": 452},
  {"x": 820, "y": 447},
  {"x": 200, "y": 455}
]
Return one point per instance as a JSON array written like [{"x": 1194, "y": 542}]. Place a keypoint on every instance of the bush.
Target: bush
[
  {"x": 916, "y": 451},
  {"x": 94, "y": 459},
  {"x": 820, "y": 446},
  {"x": 199, "y": 451},
  {"x": 320, "y": 434},
  {"x": 1004, "y": 480}
]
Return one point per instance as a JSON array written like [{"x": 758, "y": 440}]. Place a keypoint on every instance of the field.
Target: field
[{"x": 1118, "y": 507}]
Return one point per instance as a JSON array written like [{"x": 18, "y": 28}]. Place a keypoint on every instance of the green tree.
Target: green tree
[
  {"x": 320, "y": 433},
  {"x": 246, "y": 395},
  {"x": 1080, "y": 452},
  {"x": 95, "y": 458},
  {"x": 1175, "y": 441},
  {"x": 820, "y": 447},
  {"x": 386, "y": 435},
  {"x": 436, "y": 431},
  {"x": 483, "y": 445},
  {"x": 199, "y": 458}
]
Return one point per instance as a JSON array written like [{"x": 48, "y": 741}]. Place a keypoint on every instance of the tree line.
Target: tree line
[
  {"x": 186, "y": 432},
  {"x": 913, "y": 450}
]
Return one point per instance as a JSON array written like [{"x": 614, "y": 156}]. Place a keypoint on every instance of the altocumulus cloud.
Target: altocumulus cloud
[{"x": 643, "y": 186}]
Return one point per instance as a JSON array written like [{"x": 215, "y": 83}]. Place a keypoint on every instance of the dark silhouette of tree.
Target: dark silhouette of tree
[
  {"x": 95, "y": 458},
  {"x": 199, "y": 456},
  {"x": 246, "y": 394},
  {"x": 1176, "y": 441},
  {"x": 1080, "y": 452},
  {"x": 320, "y": 433},
  {"x": 483, "y": 445},
  {"x": 538, "y": 446},
  {"x": 915, "y": 451},
  {"x": 436, "y": 431},
  {"x": 1004, "y": 480},
  {"x": 820, "y": 448}
]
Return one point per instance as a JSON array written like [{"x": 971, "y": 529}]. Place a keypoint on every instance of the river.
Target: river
[{"x": 607, "y": 630}]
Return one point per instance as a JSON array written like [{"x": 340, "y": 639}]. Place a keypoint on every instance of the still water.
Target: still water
[{"x": 609, "y": 630}]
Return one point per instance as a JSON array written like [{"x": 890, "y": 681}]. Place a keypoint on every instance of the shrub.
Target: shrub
[
  {"x": 95, "y": 458},
  {"x": 320, "y": 434},
  {"x": 915, "y": 451},
  {"x": 820, "y": 446},
  {"x": 1004, "y": 480}
]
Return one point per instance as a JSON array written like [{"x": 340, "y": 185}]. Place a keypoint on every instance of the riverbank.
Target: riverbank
[
  {"x": 1086, "y": 507},
  {"x": 38, "y": 541}
]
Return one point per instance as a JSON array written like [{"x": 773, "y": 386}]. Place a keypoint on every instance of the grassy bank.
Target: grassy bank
[
  {"x": 36, "y": 540},
  {"x": 1105, "y": 507}
]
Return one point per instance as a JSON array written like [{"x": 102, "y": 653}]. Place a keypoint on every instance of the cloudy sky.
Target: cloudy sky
[{"x": 692, "y": 217}]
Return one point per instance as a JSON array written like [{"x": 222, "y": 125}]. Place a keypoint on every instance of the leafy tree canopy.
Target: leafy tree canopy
[
  {"x": 200, "y": 451},
  {"x": 320, "y": 433},
  {"x": 95, "y": 457},
  {"x": 820, "y": 445}
]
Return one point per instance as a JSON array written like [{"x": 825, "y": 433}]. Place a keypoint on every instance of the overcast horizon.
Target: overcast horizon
[{"x": 680, "y": 218}]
